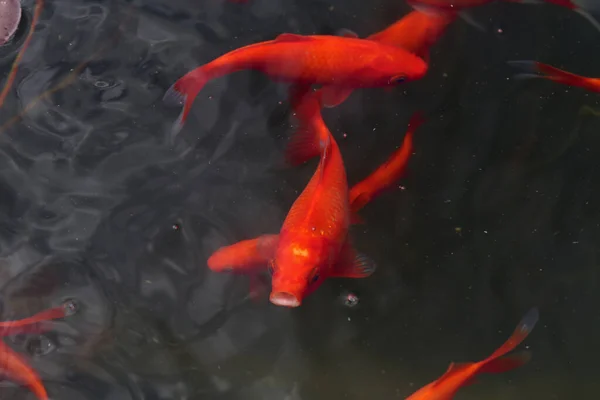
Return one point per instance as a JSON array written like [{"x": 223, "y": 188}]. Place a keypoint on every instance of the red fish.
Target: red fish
[
  {"x": 319, "y": 59},
  {"x": 12, "y": 364},
  {"x": 313, "y": 243},
  {"x": 388, "y": 173},
  {"x": 459, "y": 375},
  {"x": 540, "y": 70},
  {"x": 415, "y": 33}
]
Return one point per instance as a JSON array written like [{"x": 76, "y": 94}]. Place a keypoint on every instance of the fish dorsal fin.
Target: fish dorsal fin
[
  {"x": 292, "y": 37},
  {"x": 452, "y": 370},
  {"x": 347, "y": 33}
]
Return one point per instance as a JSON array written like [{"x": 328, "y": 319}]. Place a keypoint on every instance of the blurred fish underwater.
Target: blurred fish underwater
[{"x": 110, "y": 210}]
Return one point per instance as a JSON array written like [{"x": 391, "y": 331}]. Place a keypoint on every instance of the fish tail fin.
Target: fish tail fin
[
  {"x": 532, "y": 69},
  {"x": 589, "y": 17},
  {"x": 522, "y": 330},
  {"x": 184, "y": 91},
  {"x": 470, "y": 20},
  {"x": 505, "y": 363},
  {"x": 312, "y": 137}
]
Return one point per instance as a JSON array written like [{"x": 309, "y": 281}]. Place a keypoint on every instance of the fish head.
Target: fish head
[
  {"x": 400, "y": 66},
  {"x": 295, "y": 273}
]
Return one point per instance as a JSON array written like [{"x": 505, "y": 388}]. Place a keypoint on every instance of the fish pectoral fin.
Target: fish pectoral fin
[
  {"x": 266, "y": 245},
  {"x": 332, "y": 96},
  {"x": 292, "y": 37},
  {"x": 347, "y": 33},
  {"x": 353, "y": 265}
]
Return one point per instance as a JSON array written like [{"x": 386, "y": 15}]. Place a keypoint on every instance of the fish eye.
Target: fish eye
[{"x": 398, "y": 79}]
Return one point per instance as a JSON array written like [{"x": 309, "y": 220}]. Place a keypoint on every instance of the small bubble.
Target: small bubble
[
  {"x": 70, "y": 307},
  {"x": 101, "y": 84},
  {"x": 350, "y": 299}
]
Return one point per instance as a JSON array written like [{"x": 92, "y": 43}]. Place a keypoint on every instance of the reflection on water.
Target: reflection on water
[{"x": 99, "y": 204}]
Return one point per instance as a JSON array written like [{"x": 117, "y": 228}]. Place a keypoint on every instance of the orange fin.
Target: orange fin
[
  {"x": 333, "y": 96},
  {"x": 302, "y": 146},
  {"x": 523, "y": 329},
  {"x": 351, "y": 264},
  {"x": 184, "y": 91},
  {"x": 347, "y": 33},
  {"x": 306, "y": 142},
  {"x": 292, "y": 37},
  {"x": 506, "y": 363},
  {"x": 358, "y": 201}
]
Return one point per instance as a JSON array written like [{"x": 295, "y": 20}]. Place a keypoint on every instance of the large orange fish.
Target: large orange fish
[
  {"x": 459, "y": 375},
  {"x": 536, "y": 69},
  {"x": 305, "y": 60},
  {"x": 388, "y": 173},
  {"x": 12, "y": 364},
  {"x": 416, "y": 32},
  {"x": 313, "y": 241},
  {"x": 252, "y": 255}
]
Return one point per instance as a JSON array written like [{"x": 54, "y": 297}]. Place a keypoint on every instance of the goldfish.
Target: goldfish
[
  {"x": 416, "y": 32},
  {"x": 318, "y": 59},
  {"x": 459, "y": 375},
  {"x": 12, "y": 364},
  {"x": 313, "y": 241},
  {"x": 312, "y": 244},
  {"x": 540, "y": 70},
  {"x": 388, "y": 173}
]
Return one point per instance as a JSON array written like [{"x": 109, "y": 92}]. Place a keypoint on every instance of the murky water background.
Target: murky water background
[{"x": 499, "y": 212}]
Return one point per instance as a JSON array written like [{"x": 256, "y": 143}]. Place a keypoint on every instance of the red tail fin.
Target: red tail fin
[
  {"x": 506, "y": 363},
  {"x": 310, "y": 139},
  {"x": 534, "y": 69},
  {"x": 184, "y": 91},
  {"x": 520, "y": 333}
]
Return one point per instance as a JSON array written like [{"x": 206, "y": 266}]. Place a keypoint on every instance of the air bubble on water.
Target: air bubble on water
[
  {"x": 70, "y": 307},
  {"x": 101, "y": 84},
  {"x": 350, "y": 299}
]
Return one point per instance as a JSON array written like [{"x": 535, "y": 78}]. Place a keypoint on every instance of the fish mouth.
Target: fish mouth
[{"x": 284, "y": 299}]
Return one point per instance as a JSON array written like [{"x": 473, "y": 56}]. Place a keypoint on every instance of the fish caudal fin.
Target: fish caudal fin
[
  {"x": 184, "y": 92},
  {"x": 520, "y": 333},
  {"x": 591, "y": 19},
  {"x": 302, "y": 146},
  {"x": 506, "y": 363},
  {"x": 312, "y": 137},
  {"x": 470, "y": 20},
  {"x": 535, "y": 69}
]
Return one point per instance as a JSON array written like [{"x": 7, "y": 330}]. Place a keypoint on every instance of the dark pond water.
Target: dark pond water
[{"x": 500, "y": 211}]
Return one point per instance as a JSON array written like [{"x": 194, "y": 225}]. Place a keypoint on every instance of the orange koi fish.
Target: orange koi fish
[
  {"x": 388, "y": 173},
  {"x": 459, "y": 375},
  {"x": 416, "y": 32},
  {"x": 12, "y": 364},
  {"x": 318, "y": 59},
  {"x": 313, "y": 243},
  {"x": 540, "y": 70}
]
